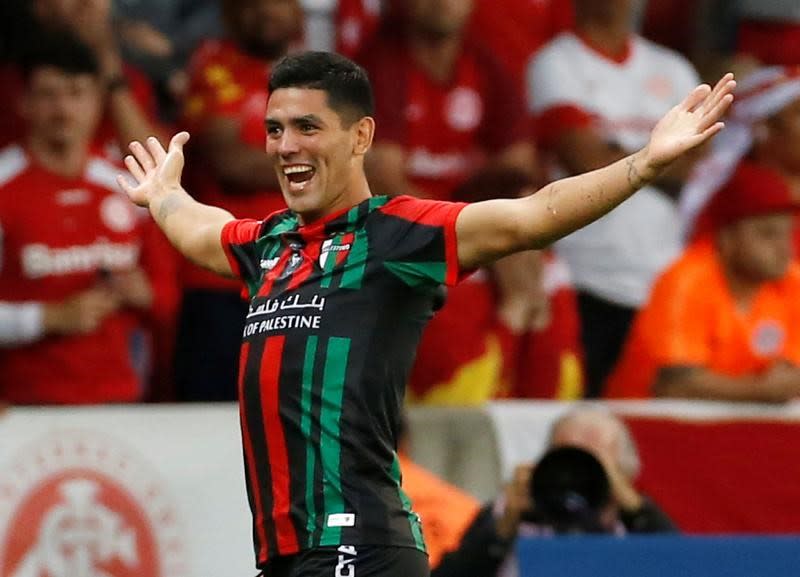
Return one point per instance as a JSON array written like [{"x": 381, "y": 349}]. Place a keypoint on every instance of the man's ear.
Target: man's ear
[{"x": 364, "y": 132}]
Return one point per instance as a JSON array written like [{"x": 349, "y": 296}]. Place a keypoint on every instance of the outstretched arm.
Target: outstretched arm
[
  {"x": 489, "y": 230},
  {"x": 193, "y": 228}
]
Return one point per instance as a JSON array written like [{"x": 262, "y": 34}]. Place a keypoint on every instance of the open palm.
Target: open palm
[
  {"x": 692, "y": 122},
  {"x": 154, "y": 170}
]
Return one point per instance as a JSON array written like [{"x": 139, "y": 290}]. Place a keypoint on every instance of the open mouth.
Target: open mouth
[{"x": 298, "y": 175}]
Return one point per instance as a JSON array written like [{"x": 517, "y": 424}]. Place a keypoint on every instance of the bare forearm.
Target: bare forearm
[
  {"x": 566, "y": 205},
  {"x": 190, "y": 226},
  {"x": 697, "y": 383}
]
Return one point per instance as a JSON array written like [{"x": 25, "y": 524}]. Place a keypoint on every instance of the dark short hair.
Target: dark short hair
[
  {"x": 345, "y": 82},
  {"x": 62, "y": 50}
]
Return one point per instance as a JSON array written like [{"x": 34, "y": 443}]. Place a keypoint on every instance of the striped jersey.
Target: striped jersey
[{"x": 337, "y": 308}]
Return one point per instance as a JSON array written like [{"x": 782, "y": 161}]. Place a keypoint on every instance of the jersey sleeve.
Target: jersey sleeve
[
  {"x": 419, "y": 243},
  {"x": 238, "y": 240}
]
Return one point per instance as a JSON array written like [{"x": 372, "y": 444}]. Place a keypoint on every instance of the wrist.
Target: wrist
[{"x": 52, "y": 319}]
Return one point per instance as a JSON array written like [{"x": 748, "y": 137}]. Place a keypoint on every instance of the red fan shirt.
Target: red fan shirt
[
  {"x": 447, "y": 129},
  {"x": 58, "y": 236}
]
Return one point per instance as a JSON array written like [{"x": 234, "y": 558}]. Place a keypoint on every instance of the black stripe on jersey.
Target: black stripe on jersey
[
  {"x": 291, "y": 403},
  {"x": 254, "y": 419}
]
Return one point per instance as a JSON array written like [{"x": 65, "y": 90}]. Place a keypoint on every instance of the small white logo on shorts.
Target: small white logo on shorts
[
  {"x": 341, "y": 520},
  {"x": 346, "y": 565}
]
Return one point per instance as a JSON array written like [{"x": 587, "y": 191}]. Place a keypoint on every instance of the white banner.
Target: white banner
[{"x": 144, "y": 491}]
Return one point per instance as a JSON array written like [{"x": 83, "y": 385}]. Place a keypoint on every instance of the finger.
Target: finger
[
  {"x": 134, "y": 168},
  {"x": 141, "y": 154},
  {"x": 178, "y": 141},
  {"x": 708, "y": 133},
  {"x": 156, "y": 150},
  {"x": 720, "y": 92},
  {"x": 695, "y": 97},
  {"x": 713, "y": 116},
  {"x": 721, "y": 85}
]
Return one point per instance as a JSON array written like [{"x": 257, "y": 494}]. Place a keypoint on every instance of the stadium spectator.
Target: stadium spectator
[
  {"x": 724, "y": 321},
  {"x": 488, "y": 542},
  {"x": 497, "y": 335},
  {"x": 512, "y": 30},
  {"x": 225, "y": 109},
  {"x": 444, "y": 105},
  {"x": 596, "y": 93},
  {"x": 76, "y": 289},
  {"x": 130, "y": 109}
]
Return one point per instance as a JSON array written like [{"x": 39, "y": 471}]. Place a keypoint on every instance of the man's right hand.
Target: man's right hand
[
  {"x": 155, "y": 170},
  {"x": 80, "y": 314}
]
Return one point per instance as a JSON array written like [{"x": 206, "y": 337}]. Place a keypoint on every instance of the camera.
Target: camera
[{"x": 570, "y": 491}]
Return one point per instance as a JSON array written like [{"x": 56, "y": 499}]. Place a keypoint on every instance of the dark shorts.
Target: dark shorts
[{"x": 345, "y": 561}]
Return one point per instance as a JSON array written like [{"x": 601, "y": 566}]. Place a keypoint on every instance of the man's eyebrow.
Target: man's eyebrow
[{"x": 312, "y": 118}]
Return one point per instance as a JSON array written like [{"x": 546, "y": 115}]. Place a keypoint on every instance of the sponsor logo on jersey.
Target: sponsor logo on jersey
[
  {"x": 333, "y": 249},
  {"x": 79, "y": 504},
  {"x": 40, "y": 260}
]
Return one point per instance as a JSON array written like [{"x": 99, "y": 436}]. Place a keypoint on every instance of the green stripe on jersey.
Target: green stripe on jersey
[
  {"x": 305, "y": 427},
  {"x": 356, "y": 262},
  {"x": 330, "y": 263},
  {"x": 333, "y": 376},
  {"x": 413, "y": 518},
  {"x": 418, "y": 274}
]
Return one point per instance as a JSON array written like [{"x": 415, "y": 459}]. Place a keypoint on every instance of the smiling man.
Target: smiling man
[{"x": 321, "y": 394}]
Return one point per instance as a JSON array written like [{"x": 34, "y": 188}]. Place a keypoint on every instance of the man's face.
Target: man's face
[
  {"x": 267, "y": 27},
  {"x": 758, "y": 248},
  {"x": 784, "y": 138},
  {"x": 61, "y": 108},
  {"x": 439, "y": 18},
  {"x": 312, "y": 150}
]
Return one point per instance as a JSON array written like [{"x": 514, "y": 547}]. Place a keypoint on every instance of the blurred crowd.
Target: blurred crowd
[{"x": 690, "y": 289}]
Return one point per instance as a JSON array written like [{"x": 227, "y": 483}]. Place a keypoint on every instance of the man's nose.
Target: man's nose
[{"x": 288, "y": 143}]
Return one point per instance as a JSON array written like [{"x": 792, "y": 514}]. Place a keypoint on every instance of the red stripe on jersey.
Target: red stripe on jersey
[
  {"x": 427, "y": 212},
  {"x": 272, "y": 276},
  {"x": 278, "y": 459},
  {"x": 341, "y": 255},
  {"x": 255, "y": 486}
]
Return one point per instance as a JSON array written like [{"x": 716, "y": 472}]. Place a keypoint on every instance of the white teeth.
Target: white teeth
[{"x": 296, "y": 169}]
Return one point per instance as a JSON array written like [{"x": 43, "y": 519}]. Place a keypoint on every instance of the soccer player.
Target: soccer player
[{"x": 340, "y": 287}]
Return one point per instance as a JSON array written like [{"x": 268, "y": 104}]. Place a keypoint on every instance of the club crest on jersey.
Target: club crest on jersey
[{"x": 336, "y": 248}]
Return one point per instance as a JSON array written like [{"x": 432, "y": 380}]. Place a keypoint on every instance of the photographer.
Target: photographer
[{"x": 609, "y": 502}]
